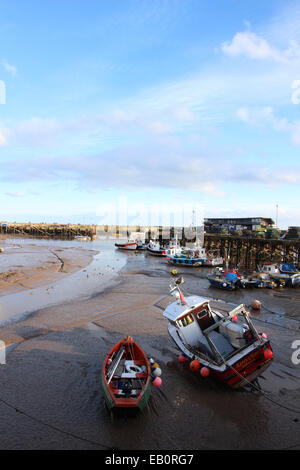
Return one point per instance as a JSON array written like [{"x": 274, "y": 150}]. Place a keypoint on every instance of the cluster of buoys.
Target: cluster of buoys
[
  {"x": 195, "y": 366},
  {"x": 155, "y": 373}
]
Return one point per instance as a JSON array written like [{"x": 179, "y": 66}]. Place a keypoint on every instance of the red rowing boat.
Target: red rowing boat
[{"x": 126, "y": 376}]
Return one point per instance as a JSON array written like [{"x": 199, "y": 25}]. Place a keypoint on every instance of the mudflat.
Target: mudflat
[{"x": 53, "y": 367}]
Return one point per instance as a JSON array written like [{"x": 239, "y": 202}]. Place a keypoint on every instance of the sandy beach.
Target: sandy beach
[{"x": 53, "y": 364}]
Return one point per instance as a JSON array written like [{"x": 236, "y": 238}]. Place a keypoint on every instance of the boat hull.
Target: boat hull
[
  {"x": 115, "y": 398},
  {"x": 156, "y": 252},
  {"x": 126, "y": 246},
  {"x": 237, "y": 373},
  {"x": 245, "y": 370},
  {"x": 190, "y": 263},
  {"x": 222, "y": 284},
  {"x": 112, "y": 405}
]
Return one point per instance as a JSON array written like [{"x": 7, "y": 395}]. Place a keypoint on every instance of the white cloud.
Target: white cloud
[
  {"x": 3, "y": 141},
  {"x": 9, "y": 68},
  {"x": 14, "y": 194},
  {"x": 266, "y": 117},
  {"x": 251, "y": 45},
  {"x": 3, "y": 136},
  {"x": 255, "y": 116}
]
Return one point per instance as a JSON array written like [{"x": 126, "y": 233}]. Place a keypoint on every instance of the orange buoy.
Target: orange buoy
[
  {"x": 268, "y": 354},
  {"x": 204, "y": 372},
  {"x": 256, "y": 305},
  {"x": 195, "y": 365}
]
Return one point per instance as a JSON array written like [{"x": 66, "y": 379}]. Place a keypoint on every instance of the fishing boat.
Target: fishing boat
[
  {"x": 174, "y": 249},
  {"x": 154, "y": 248},
  {"x": 224, "y": 345},
  {"x": 229, "y": 280},
  {"x": 194, "y": 258},
  {"x": 126, "y": 376},
  {"x": 130, "y": 245},
  {"x": 285, "y": 273},
  {"x": 82, "y": 238}
]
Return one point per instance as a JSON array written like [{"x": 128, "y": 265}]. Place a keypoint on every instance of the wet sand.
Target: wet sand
[
  {"x": 53, "y": 371},
  {"x": 30, "y": 265}
]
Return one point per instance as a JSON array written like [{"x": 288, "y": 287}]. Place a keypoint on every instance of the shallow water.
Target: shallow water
[{"x": 91, "y": 280}]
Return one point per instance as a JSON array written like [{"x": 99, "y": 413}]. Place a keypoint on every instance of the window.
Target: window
[{"x": 185, "y": 321}]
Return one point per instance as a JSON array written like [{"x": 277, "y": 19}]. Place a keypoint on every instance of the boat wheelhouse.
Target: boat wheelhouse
[
  {"x": 154, "y": 248},
  {"x": 225, "y": 343}
]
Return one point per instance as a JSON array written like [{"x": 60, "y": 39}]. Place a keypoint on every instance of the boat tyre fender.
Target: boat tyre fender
[{"x": 134, "y": 368}]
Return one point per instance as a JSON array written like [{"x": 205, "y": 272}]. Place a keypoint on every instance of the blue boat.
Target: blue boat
[
  {"x": 285, "y": 273},
  {"x": 226, "y": 280},
  {"x": 194, "y": 258}
]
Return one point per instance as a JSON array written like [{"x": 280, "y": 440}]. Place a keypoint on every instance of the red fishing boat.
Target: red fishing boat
[
  {"x": 223, "y": 345},
  {"x": 126, "y": 376},
  {"x": 127, "y": 246}
]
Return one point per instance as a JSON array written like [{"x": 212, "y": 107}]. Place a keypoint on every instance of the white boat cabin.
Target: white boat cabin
[
  {"x": 270, "y": 269},
  {"x": 205, "y": 331}
]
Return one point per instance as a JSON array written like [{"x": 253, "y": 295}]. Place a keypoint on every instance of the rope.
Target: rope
[{"x": 55, "y": 428}]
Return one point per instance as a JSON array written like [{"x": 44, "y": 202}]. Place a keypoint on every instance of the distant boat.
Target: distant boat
[
  {"x": 194, "y": 258},
  {"x": 155, "y": 249},
  {"x": 229, "y": 280},
  {"x": 224, "y": 345},
  {"x": 126, "y": 376},
  {"x": 285, "y": 273},
  {"x": 174, "y": 249},
  {"x": 82, "y": 238},
  {"x": 127, "y": 246}
]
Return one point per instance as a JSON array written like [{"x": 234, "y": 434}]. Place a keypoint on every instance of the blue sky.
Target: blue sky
[{"x": 173, "y": 102}]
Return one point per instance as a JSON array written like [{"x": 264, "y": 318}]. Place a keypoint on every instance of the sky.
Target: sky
[{"x": 157, "y": 106}]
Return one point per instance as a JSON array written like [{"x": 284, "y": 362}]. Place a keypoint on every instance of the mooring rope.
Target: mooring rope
[{"x": 55, "y": 428}]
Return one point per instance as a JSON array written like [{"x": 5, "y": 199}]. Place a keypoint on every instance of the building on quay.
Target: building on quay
[{"x": 252, "y": 224}]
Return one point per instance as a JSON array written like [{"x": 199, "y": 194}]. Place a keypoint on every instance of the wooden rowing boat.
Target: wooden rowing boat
[{"x": 126, "y": 376}]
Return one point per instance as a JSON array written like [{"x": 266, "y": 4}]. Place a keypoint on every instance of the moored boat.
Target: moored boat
[
  {"x": 130, "y": 245},
  {"x": 229, "y": 280},
  {"x": 284, "y": 273},
  {"x": 155, "y": 249},
  {"x": 82, "y": 238},
  {"x": 174, "y": 249},
  {"x": 126, "y": 376},
  {"x": 194, "y": 257},
  {"x": 224, "y": 345}
]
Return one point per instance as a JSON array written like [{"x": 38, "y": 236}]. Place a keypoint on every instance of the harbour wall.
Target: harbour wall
[{"x": 236, "y": 250}]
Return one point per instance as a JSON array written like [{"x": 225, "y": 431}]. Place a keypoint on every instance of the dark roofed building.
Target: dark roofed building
[{"x": 253, "y": 224}]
